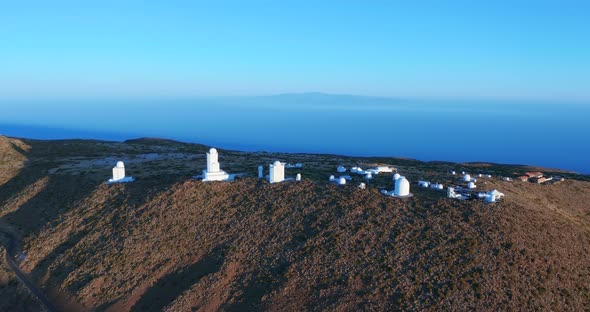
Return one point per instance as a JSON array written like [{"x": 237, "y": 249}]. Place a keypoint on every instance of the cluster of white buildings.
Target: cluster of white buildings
[
  {"x": 459, "y": 193},
  {"x": 372, "y": 171},
  {"x": 277, "y": 175}
]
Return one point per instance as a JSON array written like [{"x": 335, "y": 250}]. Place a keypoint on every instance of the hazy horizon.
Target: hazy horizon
[
  {"x": 548, "y": 134},
  {"x": 536, "y": 50},
  {"x": 469, "y": 81}
]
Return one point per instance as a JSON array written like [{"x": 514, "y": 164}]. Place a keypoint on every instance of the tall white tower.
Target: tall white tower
[
  {"x": 277, "y": 172},
  {"x": 260, "y": 172},
  {"x": 213, "y": 171},
  {"x": 119, "y": 171},
  {"x": 119, "y": 175},
  {"x": 212, "y": 161}
]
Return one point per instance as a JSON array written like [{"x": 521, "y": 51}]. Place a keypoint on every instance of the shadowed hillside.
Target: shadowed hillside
[{"x": 169, "y": 242}]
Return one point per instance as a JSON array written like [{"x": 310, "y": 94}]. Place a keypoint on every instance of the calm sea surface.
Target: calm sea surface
[{"x": 544, "y": 134}]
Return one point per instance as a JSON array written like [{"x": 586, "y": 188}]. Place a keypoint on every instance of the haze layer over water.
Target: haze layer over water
[{"x": 544, "y": 134}]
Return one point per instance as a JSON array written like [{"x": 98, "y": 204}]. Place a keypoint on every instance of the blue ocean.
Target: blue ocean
[{"x": 545, "y": 134}]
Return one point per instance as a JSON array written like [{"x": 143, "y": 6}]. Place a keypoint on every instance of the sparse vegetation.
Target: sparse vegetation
[{"x": 168, "y": 242}]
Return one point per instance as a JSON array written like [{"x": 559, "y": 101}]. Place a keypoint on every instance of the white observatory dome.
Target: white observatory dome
[
  {"x": 120, "y": 164},
  {"x": 332, "y": 178},
  {"x": 402, "y": 187},
  {"x": 471, "y": 185},
  {"x": 396, "y": 176},
  {"x": 342, "y": 181},
  {"x": 466, "y": 177},
  {"x": 213, "y": 151},
  {"x": 276, "y": 163}
]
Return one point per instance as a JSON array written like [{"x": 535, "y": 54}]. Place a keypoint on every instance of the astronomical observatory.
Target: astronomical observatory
[
  {"x": 402, "y": 188},
  {"x": 119, "y": 174},
  {"x": 213, "y": 171},
  {"x": 277, "y": 172}
]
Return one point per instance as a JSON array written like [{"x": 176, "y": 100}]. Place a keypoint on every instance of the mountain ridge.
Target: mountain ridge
[{"x": 169, "y": 242}]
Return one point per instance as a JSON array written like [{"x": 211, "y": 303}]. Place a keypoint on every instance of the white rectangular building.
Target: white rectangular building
[{"x": 277, "y": 172}]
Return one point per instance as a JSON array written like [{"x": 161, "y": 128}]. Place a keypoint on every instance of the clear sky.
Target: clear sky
[{"x": 119, "y": 48}]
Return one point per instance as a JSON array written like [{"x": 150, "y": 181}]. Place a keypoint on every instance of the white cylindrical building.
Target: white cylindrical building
[
  {"x": 213, "y": 161},
  {"x": 277, "y": 172},
  {"x": 119, "y": 171},
  {"x": 342, "y": 181},
  {"x": 298, "y": 177},
  {"x": 402, "y": 187}
]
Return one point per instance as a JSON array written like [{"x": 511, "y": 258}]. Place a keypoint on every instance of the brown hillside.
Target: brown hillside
[{"x": 168, "y": 242}]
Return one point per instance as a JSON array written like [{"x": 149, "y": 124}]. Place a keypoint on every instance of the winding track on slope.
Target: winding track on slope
[{"x": 22, "y": 277}]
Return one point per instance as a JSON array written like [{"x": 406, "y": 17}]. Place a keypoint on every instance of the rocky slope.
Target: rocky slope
[{"x": 169, "y": 242}]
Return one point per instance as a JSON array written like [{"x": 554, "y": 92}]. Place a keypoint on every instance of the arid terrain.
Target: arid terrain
[{"x": 170, "y": 242}]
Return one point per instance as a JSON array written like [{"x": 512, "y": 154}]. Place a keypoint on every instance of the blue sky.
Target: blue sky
[{"x": 435, "y": 49}]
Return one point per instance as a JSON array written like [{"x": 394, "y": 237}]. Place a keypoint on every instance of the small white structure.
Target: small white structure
[
  {"x": 298, "y": 177},
  {"x": 341, "y": 169},
  {"x": 119, "y": 174},
  {"x": 396, "y": 177},
  {"x": 507, "y": 179},
  {"x": 471, "y": 185},
  {"x": 488, "y": 176},
  {"x": 402, "y": 188},
  {"x": 297, "y": 165},
  {"x": 451, "y": 194},
  {"x": 277, "y": 172},
  {"x": 339, "y": 181},
  {"x": 357, "y": 170},
  {"x": 493, "y": 196},
  {"x": 362, "y": 186},
  {"x": 423, "y": 184},
  {"x": 467, "y": 178},
  {"x": 369, "y": 176},
  {"x": 260, "y": 172},
  {"x": 453, "y": 172},
  {"x": 213, "y": 171},
  {"x": 437, "y": 186},
  {"x": 385, "y": 169}
]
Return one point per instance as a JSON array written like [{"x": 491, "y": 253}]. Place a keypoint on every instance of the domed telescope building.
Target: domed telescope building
[{"x": 402, "y": 188}]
